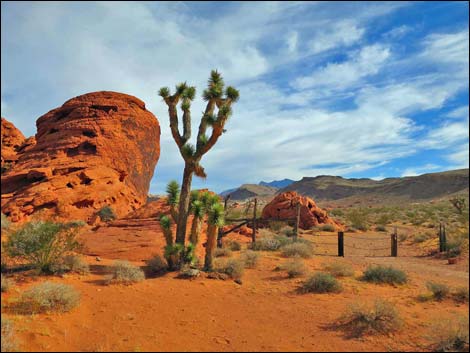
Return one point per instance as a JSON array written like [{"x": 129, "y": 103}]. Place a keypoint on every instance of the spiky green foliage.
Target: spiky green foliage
[
  {"x": 106, "y": 213},
  {"x": 181, "y": 87},
  {"x": 198, "y": 209},
  {"x": 189, "y": 93},
  {"x": 173, "y": 192},
  {"x": 185, "y": 104},
  {"x": 210, "y": 119},
  {"x": 225, "y": 111},
  {"x": 188, "y": 150},
  {"x": 165, "y": 222},
  {"x": 203, "y": 139},
  {"x": 164, "y": 92},
  {"x": 232, "y": 93}
]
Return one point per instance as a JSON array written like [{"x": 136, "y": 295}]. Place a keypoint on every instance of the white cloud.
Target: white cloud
[
  {"x": 428, "y": 168},
  {"x": 459, "y": 113}
]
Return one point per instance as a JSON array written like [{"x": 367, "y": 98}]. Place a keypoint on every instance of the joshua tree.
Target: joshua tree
[
  {"x": 215, "y": 219},
  {"x": 217, "y": 98},
  {"x": 198, "y": 210},
  {"x": 458, "y": 203},
  {"x": 173, "y": 195}
]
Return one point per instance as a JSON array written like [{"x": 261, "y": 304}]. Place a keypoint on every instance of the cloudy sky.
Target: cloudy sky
[{"x": 353, "y": 89}]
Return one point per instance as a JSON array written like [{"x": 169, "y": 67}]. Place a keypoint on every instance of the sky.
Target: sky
[{"x": 355, "y": 89}]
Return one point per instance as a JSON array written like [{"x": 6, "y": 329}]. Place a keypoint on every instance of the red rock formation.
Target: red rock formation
[
  {"x": 284, "y": 206},
  {"x": 97, "y": 149},
  {"x": 12, "y": 140}
]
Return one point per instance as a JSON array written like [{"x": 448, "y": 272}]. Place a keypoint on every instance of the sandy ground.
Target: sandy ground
[{"x": 264, "y": 313}]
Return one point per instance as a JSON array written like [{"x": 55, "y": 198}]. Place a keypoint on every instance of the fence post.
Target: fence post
[
  {"x": 341, "y": 244},
  {"x": 253, "y": 237},
  {"x": 394, "y": 239},
  {"x": 297, "y": 221},
  {"x": 444, "y": 238}
]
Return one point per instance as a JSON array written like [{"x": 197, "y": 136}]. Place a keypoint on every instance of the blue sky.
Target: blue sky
[{"x": 357, "y": 89}]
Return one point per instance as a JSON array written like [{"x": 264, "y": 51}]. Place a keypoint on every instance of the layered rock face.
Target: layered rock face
[
  {"x": 13, "y": 143},
  {"x": 97, "y": 149},
  {"x": 284, "y": 206}
]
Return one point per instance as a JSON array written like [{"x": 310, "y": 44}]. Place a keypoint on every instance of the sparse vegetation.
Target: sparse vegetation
[
  {"x": 231, "y": 267},
  {"x": 439, "y": 291},
  {"x": 382, "y": 274},
  {"x": 6, "y": 283},
  {"x": 43, "y": 244},
  {"x": 294, "y": 268},
  {"x": 48, "y": 297},
  {"x": 76, "y": 264},
  {"x": 233, "y": 245},
  {"x": 123, "y": 272},
  {"x": 460, "y": 294},
  {"x": 222, "y": 252},
  {"x": 339, "y": 269},
  {"x": 328, "y": 228},
  {"x": 186, "y": 271},
  {"x": 358, "y": 219},
  {"x": 450, "y": 335},
  {"x": 250, "y": 258},
  {"x": 301, "y": 249},
  {"x": 8, "y": 342},
  {"x": 106, "y": 214},
  {"x": 266, "y": 244},
  {"x": 157, "y": 264},
  {"x": 381, "y": 318},
  {"x": 321, "y": 283}
]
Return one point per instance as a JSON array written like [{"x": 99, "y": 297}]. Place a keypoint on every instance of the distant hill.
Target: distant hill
[
  {"x": 422, "y": 187},
  {"x": 247, "y": 191},
  {"x": 278, "y": 183}
]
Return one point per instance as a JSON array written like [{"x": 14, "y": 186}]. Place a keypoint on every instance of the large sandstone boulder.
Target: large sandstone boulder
[
  {"x": 284, "y": 206},
  {"x": 12, "y": 141},
  {"x": 97, "y": 149}
]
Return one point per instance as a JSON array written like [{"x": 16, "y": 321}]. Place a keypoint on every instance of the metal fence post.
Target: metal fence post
[{"x": 341, "y": 244}]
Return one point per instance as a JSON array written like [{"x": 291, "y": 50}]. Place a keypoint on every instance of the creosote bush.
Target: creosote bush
[
  {"x": 439, "y": 291},
  {"x": 157, "y": 264},
  {"x": 106, "y": 214},
  {"x": 297, "y": 249},
  {"x": 222, "y": 252},
  {"x": 231, "y": 267},
  {"x": 381, "y": 318},
  {"x": 266, "y": 244},
  {"x": 321, "y": 283},
  {"x": 43, "y": 244},
  {"x": 460, "y": 294},
  {"x": 382, "y": 274},
  {"x": 294, "y": 268},
  {"x": 123, "y": 272},
  {"x": 250, "y": 258},
  {"x": 339, "y": 269},
  {"x": 48, "y": 297},
  {"x": 76, "y": 264},
  {"x": 450, "y": 335}
]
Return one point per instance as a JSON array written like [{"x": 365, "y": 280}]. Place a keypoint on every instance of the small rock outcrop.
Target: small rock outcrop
[
  {"x": 12, "y": 141},
  {"x": 284, "y": 206},
  {"x": 97, "y": 149}
]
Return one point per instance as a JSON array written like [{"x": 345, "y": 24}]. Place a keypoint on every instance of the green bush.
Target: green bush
[
  {"x": 360, "y": 320},
  {"x": 47, "y": 297},
  {"x": 382, "y": 274},
  {"x": 439, "y": 291},
  {"x": 339, "y": 269},
  {"x": 177, "y": 255},
  {"x": 8, "y": 342},
  {"x": 321, "y": 283},
  {"x": 74, "y": 263},
  {"x": 6, "y": 284},
  {"x": 294, "y": 268},
  {"x": 450, "y": 335},
  {"x": 222, "y": 252},
  {"x": 231, "y": 267},
  {"x": 297, "y": 249},
  {"x": 106, "y": 214},
  {"x": 358, "y": 219},
  {"x": 123, "y": 272},
  {"x": 157, "y": 264},
  {"x": 328, "y": 228},
  {"x": 43, "y": 244},
  {"x": 250, "y": 258},
  {"x": 461, "y": 294}
]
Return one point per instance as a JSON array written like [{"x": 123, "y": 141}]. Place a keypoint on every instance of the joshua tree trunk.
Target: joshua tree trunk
[
  {"x": 184, "y": 204},
  {"x": 195, "y": 231},
  {"x": 210, "y": 246}
]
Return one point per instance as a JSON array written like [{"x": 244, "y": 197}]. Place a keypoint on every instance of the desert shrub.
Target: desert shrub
[
  {"x": 250, "y": 258},
  {"x": 419, "y": 238},
  {"x": 123, "y": 272},
  {"x": 222, "y": 252},
  {"x": 74, "y": 263},
  {"x": 321, "y": 283},
  {"x": 286, "y": 231},
  {"x": 339, "y": 269},
  {"x": 231, "y": 267},
  {"x": 186, "y": 271},
  {"x": 382, "y": 274},
  {"x": 8, "y": 340},
  {"x": 177, "y": 254},
  {"x": 233, "y": 245},
  {"x": 460, "y": 294},
  {"x": 5, "y": 222},
  {"x": 297, "y": 249},
  {"x": 450, "y": 335},
  {"x": 43, "y": 244},
  {"x": 276, "y": 226},
  {"x": 157, "y": 264},
  {"x": 360, "y": 320},
  {"x": 6, "y": 284},
  {"x": 402, "y": 237},
  {"x": 439, "y": 291},
  {"x": 47, "y": 297},
  {"x": 328, "y": 228},
  {"x": 358, "y": 219},
  {"x": 294, "y": 268},
  {"x": 106, "y": 214},
  {"x": 337, "y": 212},
  {"x": 266, "y": 244},
  {"x": 380, "y": 228},
  {"x": 383, "y": 220}
]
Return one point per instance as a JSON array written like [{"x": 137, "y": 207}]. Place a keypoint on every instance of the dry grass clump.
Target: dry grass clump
[
  {"x": 450, "y": 335},
  {"x": 76, "y": 264},
  {"x": 266, "y": 244},
  {"x": 222, "y": 252},
  {"x": 328, "y": 228},
  {"x": 382, "y": 274},
  {"x": 250, "y": 258},
  {"x": 123, "y": 272},
  {"x": 460, "y": 294},
  {"x": 301, "y": 249},
  {"x": 321, "y": 283},
  {"x": 48, "y": 297},
  {"x": 6, "y": 283},
  {"x": 294, "y": 268},
  {"x": 231, "y": 267},
  {"x": 339, "y": 269},
  {"x": 381, "y": 318},
  {"x": 439, "y": 291},
  {"x": 8, "y": 341},
  {"x": 233, "y": 245},
  {"x": 157, "y": 264}
]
